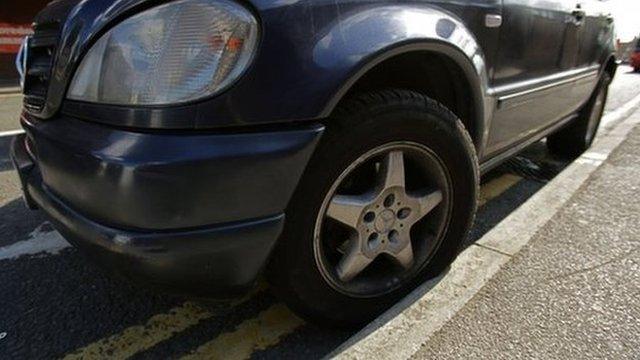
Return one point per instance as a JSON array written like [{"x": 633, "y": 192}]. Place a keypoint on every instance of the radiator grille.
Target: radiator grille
[{"x": 42, "y": 47}]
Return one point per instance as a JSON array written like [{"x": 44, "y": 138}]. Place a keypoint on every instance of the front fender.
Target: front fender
[{"x": 356, "y": 43}]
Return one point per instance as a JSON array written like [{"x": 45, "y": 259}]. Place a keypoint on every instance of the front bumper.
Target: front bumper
[{"x": 170, "y": 211}]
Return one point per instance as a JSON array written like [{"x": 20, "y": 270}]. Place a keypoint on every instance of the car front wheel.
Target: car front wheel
[{"x": 384, "y": 205}]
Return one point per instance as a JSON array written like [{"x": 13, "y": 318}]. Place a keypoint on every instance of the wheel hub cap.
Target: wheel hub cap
[{"x": 385, "y": 221}]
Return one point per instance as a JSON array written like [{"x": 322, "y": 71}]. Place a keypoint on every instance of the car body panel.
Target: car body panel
[
  {"x": 221, "y": 261},
  {"x": 551, "y": 53},
  {"x": 635, "y": 60},
  {"x": 147, "y": 181}
]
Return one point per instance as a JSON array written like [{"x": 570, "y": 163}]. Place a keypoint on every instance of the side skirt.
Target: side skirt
[{"x": 498, "y": 159}]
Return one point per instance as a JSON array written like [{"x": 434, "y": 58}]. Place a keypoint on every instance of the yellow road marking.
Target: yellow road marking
[
  {"x": 258, "y": 333},
  {"x": 496, "y": 187},
  {"x": 158, "y": 328},
  {"x": 141, "y": 337}
]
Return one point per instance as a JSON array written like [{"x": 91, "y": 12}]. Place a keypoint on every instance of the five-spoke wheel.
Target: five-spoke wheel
[{"x": 371, "y": 215}]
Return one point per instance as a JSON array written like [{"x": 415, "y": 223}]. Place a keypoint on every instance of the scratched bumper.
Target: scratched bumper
[{"x": 136, "y": 232}]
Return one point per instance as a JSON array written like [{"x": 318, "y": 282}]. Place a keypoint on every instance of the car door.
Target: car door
[
  {"x": 594, "y": 37},
  {"x": 595, "y": 32},
  {"x": 536, "y": 69}
]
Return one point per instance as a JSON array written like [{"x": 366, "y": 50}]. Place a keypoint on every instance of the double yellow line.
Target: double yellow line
[
  {"x": 158, "y": 328},
  {"x": 259, "y": 333},
  {"x": 138, "y": 338}
]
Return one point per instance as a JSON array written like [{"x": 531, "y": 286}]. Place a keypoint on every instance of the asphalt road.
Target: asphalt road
[{"x": 55, "y": 302}]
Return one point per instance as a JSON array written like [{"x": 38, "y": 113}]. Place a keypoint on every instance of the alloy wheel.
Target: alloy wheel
[{"x": 382, "y": 219}]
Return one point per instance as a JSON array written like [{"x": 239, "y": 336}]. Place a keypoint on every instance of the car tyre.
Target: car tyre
[
  {"x": 308, "y": 270},
  {"x": 577, "y": 137}
]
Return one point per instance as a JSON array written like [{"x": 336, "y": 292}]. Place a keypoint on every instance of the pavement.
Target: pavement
[
  {"x": 56, "y": 303},
  {"x": 574, "y": 290}
]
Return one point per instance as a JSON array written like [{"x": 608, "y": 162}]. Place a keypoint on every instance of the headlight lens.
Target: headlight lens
[{"x": 177, "y": 52}]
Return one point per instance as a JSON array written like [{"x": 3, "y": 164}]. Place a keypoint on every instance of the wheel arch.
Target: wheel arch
[
  {"x": 443, "y": 80},
  {"x": 428, "y": 33}
]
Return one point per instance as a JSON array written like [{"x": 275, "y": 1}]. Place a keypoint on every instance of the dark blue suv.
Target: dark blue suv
[{"x": 335, "y": 146}]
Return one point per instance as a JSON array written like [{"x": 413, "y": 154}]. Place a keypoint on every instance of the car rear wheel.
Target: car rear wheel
[
  {"x": 577, "y": 137},
  {"x": 385, "y": 204}
]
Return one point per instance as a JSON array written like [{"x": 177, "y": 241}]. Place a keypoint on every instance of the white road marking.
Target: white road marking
[
  {"x": 11, "y": 133},
  {"x": 43, "y": 240},
  {"x": 589, "y": 161}
]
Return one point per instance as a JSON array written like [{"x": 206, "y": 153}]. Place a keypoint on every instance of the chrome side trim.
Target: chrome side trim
[
  {"x": 510, "y": 91},
  {"x": 544, "y": 87}
]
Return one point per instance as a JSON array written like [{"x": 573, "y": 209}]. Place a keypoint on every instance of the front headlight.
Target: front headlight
[{"x": 177, "y": 52}]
